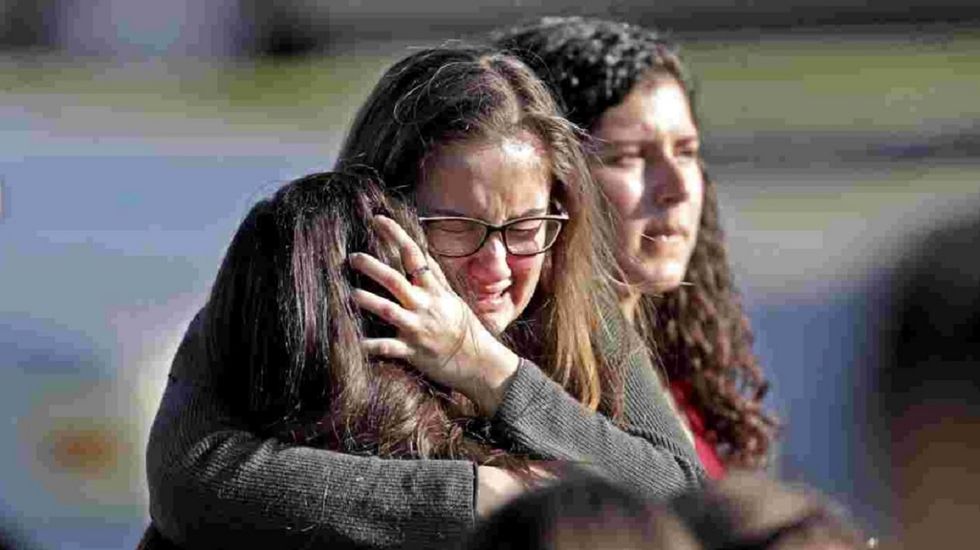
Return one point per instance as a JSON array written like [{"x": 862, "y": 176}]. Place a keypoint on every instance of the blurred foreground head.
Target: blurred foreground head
[
  {"x": 930, "y": 385},
  {"x": 746, "y": 511},
  {"x": 742, "y": 512}
]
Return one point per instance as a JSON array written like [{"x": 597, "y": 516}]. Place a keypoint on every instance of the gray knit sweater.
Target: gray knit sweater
[{"x": 213, "y": 484}]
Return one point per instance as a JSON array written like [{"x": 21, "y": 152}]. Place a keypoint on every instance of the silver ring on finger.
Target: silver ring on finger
[{"x": 413, "y": 274}]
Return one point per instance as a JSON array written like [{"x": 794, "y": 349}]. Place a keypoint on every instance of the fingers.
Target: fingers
[
  {"x": 386, "y": 276},
  {"x": 437, "y": 271},
  {"x": 389, "y": 311},
  {"x": 390, "y": 348},
  {"x": 413, "y": 257}
]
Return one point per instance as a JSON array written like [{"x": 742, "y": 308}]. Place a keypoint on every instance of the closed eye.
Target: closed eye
[
  {"x": 622, "y": 158},
  {"x": 528, "y": 226},
  {"x": 689, "y": 148}
]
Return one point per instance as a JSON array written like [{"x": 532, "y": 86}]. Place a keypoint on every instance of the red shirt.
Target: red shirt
[{"x": 681, "y": 391}]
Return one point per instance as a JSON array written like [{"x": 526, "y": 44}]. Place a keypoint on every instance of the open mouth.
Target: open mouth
[
  {"x": 490, "y": 298},
  {"x": 662, "y": 237},
  {"x": 664, "y": 234}
]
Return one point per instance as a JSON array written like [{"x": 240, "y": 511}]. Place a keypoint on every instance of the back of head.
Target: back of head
[
  {"x": 283, "y": 291},
  {"x": 592, "y": 64},
  {"x": 282, "y": 324}
]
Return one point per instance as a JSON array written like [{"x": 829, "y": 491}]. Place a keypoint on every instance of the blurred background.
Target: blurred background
[{"x": 135, "y": 135}]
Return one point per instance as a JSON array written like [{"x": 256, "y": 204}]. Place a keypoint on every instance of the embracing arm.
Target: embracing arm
[
  {"x": 213, "y": 484},
  {"x": 649, "y": 452}
]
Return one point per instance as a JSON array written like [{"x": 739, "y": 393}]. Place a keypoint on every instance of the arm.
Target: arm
[
  {"x": 213, "y": 484},
  {"x": 649, "y": 452}
]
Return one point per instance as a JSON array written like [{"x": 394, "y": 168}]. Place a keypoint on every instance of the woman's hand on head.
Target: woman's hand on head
[{"x": 437, "y": 331}]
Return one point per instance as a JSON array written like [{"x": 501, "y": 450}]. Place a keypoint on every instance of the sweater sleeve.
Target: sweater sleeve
[
  {"x": 213, "y": 484},
  {"x": 648, "y": 451}
]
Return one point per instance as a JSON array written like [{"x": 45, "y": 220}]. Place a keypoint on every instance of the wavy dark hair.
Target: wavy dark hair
[
  {"x": 700, "y": 332},
  {"x": 282, "y": 316},
  {"x": 439, "y": 97}
]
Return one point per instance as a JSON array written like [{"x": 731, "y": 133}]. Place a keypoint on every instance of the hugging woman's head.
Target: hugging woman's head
[{"x": 468, "y": 132}]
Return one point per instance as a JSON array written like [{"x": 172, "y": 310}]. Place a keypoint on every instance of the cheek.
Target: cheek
[
  {"x": 697, "y": 192},
  {"x": 623, "y": 188},
  {"x": 526, "y": 268},
  {"x": 697, "y": 211}
]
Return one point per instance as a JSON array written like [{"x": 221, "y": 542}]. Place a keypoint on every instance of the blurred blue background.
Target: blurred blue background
[{"x": 135, "y": 135}]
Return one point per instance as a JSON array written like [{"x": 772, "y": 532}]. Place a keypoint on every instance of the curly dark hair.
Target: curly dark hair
[{"x": 700, "y": 332}]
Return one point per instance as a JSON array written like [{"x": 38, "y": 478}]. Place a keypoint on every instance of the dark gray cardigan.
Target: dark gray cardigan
[{"x": 213, "y": 484}]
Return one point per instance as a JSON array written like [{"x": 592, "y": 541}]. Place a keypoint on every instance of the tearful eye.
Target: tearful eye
[
  {"x": 528, "y": 226},
  {"x": 454, "y": 226},
  {"x": 453, "y": 237}
]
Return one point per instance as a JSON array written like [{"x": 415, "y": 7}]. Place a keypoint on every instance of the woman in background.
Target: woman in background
[
  {"x": 628, "y": 88},
  {"x": 509, "y": 312}
]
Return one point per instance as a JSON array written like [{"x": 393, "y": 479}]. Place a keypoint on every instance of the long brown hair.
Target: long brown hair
[
  {"x": 282, "y": 322},
  {"x": 700, "y": 331},
  {"x": 437, "y": 97}
]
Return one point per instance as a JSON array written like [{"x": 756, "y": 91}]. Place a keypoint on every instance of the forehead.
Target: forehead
[
  {"x": 492, "y": 179},
  {"x": 651, "y": 109}
]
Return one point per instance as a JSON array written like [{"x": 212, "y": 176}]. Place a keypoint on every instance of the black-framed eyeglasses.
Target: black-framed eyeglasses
[{"x": 458, "y": 236}]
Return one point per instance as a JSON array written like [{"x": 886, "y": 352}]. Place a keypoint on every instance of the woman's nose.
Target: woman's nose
[
  {"x": 490, "y": 261},
  {"x": 668, "y": 182}
]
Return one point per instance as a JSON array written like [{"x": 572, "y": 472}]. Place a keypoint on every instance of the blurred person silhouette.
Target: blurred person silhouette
[
  {"x": 629, "y": 89},
  {"x": 930, "y": 386},
  {"x": 743, "y": 511},
  {"x": 581, "y": 512},
  {"x": 511, "y": 311},
  {"x": 750, "y": 510}
]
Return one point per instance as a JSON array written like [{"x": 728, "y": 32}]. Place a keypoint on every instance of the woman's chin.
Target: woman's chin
[
  {"x": 660, "y": 280},
  {"x": 495, "y": 321}
]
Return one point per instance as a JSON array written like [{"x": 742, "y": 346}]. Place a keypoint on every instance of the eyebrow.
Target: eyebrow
[
  {"x": 625, "y": 138},
  {"x": 457, "y": 214}
]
